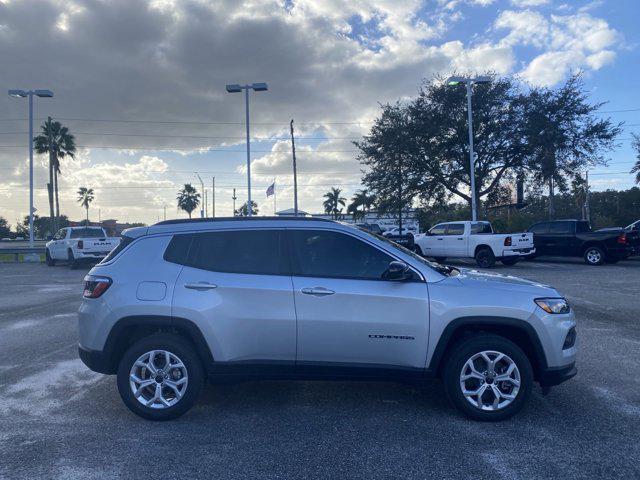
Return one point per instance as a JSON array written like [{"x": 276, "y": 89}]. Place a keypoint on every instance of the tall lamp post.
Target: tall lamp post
[
  {"x": 469, "y": 84},
  {"x": 235, "y": 88},
  {"x": 29, "y": 94},
  {"x": 203, "y": 199}
]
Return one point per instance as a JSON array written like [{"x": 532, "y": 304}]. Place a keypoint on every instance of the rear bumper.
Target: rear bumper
[
  {"x": 96, "y": 360},
  {"x": 518, "y": 252},
  {"x": 557, "y": 375}
]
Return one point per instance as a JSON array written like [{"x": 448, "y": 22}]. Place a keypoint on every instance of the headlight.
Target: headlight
[{"x": 553, "y": 305}]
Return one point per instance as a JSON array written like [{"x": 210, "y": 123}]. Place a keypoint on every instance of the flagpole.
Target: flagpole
[{"x": 274, "y": 197}]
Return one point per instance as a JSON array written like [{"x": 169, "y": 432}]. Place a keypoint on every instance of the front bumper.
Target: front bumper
[
  {"x": 96, "y": 360},
  {"x": 557, "y": 375}
]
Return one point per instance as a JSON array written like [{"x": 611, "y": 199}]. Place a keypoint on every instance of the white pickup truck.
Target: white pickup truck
[
  {"x": 473, "y": 240},
  {"x": 76, "y": 244}
]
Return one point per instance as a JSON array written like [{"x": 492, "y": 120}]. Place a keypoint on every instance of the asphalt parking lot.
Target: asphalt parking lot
[{"x": 60, "y": 420}]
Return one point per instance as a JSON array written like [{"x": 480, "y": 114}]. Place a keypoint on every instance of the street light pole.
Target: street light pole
[
  {"x": 472, "y": 163},
  {"x": 30, "y": 94},
  {"x": 472, "y": 160},
  {"x": 203, "y": 199},
  {"x": 295, "y": 174},
  {"x": 235, "y": 88}
]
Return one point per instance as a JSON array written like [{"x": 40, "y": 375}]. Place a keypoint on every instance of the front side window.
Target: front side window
[
  {"x": 438, "y": 230},
  {"x": 60, "y": 234},
  {"x": 455, "y": 229},
  {"x": 320, "y": 253},
  {"x": 257, "y": 252}
]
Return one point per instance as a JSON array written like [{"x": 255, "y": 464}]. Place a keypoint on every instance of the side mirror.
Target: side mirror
[{"x": 397, "y": 271}]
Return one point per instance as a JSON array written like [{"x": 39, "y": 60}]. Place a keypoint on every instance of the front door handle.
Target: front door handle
[
  {"x": 200, "y": 286},
  {"x": 317, "y": 291}
]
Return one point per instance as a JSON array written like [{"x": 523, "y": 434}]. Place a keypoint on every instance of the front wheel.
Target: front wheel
[
  {"x": 594, "y": 256},
  {"x": 488, "y": 377},
  {"x": 510, "y": 261},
  {"x": 160, "y": 377},
  {"x": 50, "y": 261},
  {"x": 418, "y": 250}
]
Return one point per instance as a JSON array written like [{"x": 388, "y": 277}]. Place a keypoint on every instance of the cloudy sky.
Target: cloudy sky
[{"x": 141, "y": 85}]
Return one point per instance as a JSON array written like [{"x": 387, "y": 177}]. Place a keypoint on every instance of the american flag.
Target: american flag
[{"x": 272, "y": 189}]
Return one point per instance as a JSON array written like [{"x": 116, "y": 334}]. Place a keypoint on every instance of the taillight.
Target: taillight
[
  {"x": 507, "y": 242},
  {"x": 622, "y": 238},
  {"x": 95, "y": 286},
  {"x": 80, "y": 244}
]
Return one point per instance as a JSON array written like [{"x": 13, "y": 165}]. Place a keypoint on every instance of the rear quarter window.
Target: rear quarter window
[
  {"x": 124, "y": 241},
  {"x": 178, "y": 249}
]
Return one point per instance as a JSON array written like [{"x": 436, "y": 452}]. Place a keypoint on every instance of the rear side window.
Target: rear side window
[
  {"x": 438, "y": 230},
  {"x": 560, "y": 227},
  {"x": 178, "y": 249},
  {"x": 256, "y": 252},
  {"x": 480, "y": 228},
  {"x": 582, "y": 227},
  {"x": 455, "y": 229},
  {"x": 320, "y": 253},
  {"x": 539, "y": 228},
  {"x": 87, "y": 233},
  {"x": 124, "y": 241}
]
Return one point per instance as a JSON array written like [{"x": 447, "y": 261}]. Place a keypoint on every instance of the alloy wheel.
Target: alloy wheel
[
  {"x": 490, "y": 380},
  {"x": 158, "y": 379},
  {"x": 594, "y": 256}
]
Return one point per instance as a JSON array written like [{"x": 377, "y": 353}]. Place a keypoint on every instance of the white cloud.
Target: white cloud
[{"x": 529, "y": 3}]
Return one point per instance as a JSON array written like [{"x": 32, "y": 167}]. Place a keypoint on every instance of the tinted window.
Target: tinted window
[
  {"x": 87, "y": 233},
  {"x": 560, "y": 227},
  {"x": 437, "y": 230},
  {"x": 480, "y": 228},
  {"x": 331, "y": 254},
  {"x": 124, "y": 241},
  {"x": 178, "y": 249},
  {"x": 539, "y": 228},
  {"x": 583, "y": 227},
  {"x": 242, "y": 251},
  {"x": 455, "y": 229}
]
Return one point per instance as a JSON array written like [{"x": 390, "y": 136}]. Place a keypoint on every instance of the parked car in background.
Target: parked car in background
[
  {"x": 77, "y": 244},
  {"x": 575, "y": 238},
  {"x": 302, "y": 298},
  {"x": 370, "y": 227},
  {"x": 633, "y": 236},
  {"x": 395, "y": 231},
  {"x": 473, "y": 240}
]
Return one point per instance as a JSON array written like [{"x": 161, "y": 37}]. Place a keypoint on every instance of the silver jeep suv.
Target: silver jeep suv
[{"x": 303, "y": 298}]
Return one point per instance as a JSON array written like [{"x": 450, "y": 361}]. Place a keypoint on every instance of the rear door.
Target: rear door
[
  {"x": 541, "y": 237},
  {"x": 560, "y": 237},
  {"x": 348, "y": 316},
  {"x": 236, "y": 284}
]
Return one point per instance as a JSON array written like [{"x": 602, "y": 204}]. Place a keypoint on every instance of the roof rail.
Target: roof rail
[{"x": 240, "y": 219}]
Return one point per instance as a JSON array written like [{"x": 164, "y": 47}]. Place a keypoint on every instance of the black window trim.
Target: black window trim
[{"x": 293, "y": 259}]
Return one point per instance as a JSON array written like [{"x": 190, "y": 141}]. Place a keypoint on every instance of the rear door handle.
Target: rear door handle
[
  {"x": 317, "y": 291},
  {"x": 200, "y": 286}
]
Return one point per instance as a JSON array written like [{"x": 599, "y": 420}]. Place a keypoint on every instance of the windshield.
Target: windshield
[{"x": 442, "y": 269}]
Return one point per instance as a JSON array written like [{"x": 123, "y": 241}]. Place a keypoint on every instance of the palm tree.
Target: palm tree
[
  {"x": 58, "y": 143},
  {"x": 188, "y": 199},
  {"x": 636, "y": 167},
  {"x": 85, "y": 197},
  {"x": 333, "y": 202},
  {"x": 360, "y": 199}
]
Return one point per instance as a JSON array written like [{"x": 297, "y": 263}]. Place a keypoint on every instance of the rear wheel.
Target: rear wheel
[
  {"x": 50, "y": 261},
  {"x": 594, "y": 256},
  {"x": 509, "y": 261},
  {"x": 160, "y": 377},
  {"x": 488, "y": 377},
  {"x": 485, "y": 258},
  {"x": 71, "y": 260}
]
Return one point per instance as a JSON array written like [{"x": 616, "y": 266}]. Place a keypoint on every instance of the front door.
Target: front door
[
  {"x": 58, "y": 247},
  {"x": 237, "y": 284},
  {"x": 348, "y": 316},
  {"x": 435, "y": 242},
  {"x": 456, "y": 242}
]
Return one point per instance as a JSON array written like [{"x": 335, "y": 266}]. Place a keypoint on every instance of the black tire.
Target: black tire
[
  {"x": 509, "y": 261},
  {"x": 176, "y": 345},
  {"x": 485, "y": 258},
  {"x": 594, "y": 255},
  {"x": 440, "y": 259},
  {"x": 418, "y": 250},
  {"x": 466, "y": 349},
  {"x": 73, "y": 263},
  {"x": 50, "y": 261}
]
